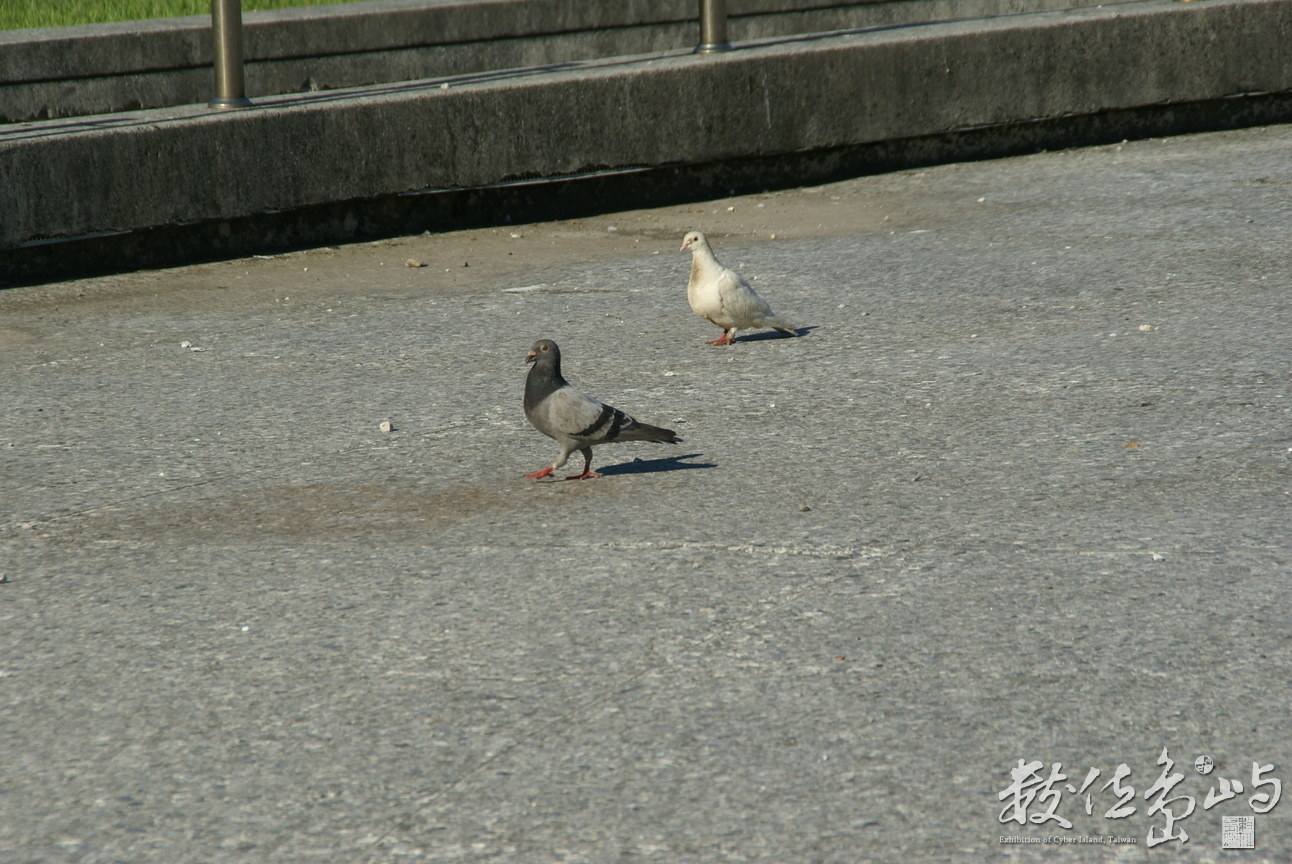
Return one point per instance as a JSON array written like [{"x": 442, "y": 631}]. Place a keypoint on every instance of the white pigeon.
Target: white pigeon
[
  {"x": 721, "y": 296},
  {"x": 575, "y": 420}
]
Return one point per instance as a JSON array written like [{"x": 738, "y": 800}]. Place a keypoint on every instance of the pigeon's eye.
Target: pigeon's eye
[{"x": 544, "y": 348}]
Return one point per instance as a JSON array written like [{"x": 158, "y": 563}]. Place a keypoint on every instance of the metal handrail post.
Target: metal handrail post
[
  {"x": 226, "y": 53},
  {"x": 713, "y": 27}
]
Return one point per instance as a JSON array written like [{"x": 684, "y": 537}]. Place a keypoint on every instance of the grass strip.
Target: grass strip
[{"x": 20, "y": 14}]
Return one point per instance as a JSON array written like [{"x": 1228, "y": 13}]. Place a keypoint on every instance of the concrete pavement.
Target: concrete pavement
[{"x": 1021, "y": 493}]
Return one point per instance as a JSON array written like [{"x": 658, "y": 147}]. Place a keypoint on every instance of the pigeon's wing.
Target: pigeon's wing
[
  {"x": 741, "y": 303},
  {"x": 568, "y": 414},
  {"x": 580, "y": 421}
]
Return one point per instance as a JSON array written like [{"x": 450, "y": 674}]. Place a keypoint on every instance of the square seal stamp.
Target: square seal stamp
[{"x": 1237, "y": 832}]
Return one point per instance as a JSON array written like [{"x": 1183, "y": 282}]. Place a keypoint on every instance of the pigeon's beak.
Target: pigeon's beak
[
  {"x": 685, "y": 245},
  {"x": 531, "y": 356}
]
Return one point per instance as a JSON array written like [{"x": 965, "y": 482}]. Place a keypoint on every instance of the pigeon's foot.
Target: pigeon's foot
[
  {"x": 537, "y": 474},
  {"x": 721, "y": 340},
  {"x": 587, "y": 474}
]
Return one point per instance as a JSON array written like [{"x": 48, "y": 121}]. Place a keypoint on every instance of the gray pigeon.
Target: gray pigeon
[
  {"x": 721, "y": 296},
  {"x": 574, "y": 420}
]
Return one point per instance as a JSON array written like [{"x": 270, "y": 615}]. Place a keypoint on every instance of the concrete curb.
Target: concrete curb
[{"x": 951, "y": 90}]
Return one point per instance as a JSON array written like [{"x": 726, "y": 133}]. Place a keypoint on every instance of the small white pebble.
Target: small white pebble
[
  {"x": 730, "y": 209},
  {"x": 1146, "y": 327},
  {"x": 186, "y": 344},
  {"x": 773, "y": 236},
  {"x": 413, "y": 262},
  {"x": 980, "y": 200},
  {"x": 669, "y": 374},
  {"x": 444, "y": 86},
  {"x": 1157, "y": 557},
  {"x": 612, "y": 228},
  {"x": 385, "y": 426}
]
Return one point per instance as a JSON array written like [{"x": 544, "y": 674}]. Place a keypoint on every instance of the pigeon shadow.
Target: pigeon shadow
[
  {"x": 775, "y": 334},
  {"x": 650, "y": 466}
]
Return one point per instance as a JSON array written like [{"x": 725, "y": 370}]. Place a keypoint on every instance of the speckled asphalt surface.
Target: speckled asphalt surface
[{"x": 1020, "y": 493}]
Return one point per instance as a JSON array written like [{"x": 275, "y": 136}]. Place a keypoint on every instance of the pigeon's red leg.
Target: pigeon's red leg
[
  {"x": 537, "y": 474},
  {"x": 721, "y": 340},
  {"x": 587, "y": 470}
]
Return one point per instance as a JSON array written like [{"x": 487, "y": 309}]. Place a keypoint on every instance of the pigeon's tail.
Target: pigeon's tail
[
  {"x": 780, "y": 324},
  {"x": 647, "y": 432}
]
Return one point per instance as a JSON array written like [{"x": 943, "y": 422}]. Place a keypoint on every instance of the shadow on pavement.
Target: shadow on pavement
[
  {"x": 774, "y": 334},
  {"x": 650, "y": 466}
]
